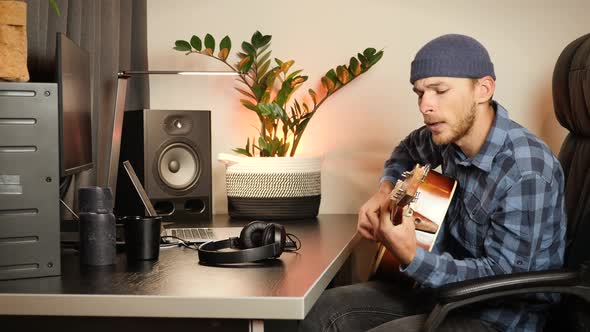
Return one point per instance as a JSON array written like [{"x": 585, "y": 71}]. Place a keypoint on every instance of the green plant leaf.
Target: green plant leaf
[
  {"x": 210, "y": 42},
  {"x": 256, "y": 39},
  {"x": 262, "y": 70},
  {"x": 55, "y": 7},
  {"x": 246, "y": 93},
  {"x": 362, "y": 59},
  {"x": 295, "y": 73},
  {"x": 242, "y": 152},
  {"x": 196, "y": 43},
  {"x": 263, "y": 49},
  {"x": 375, "y": 58},
  {"x": 225, "y": 47},
  {"x": 313, "y": 95},
  {"x": 369, "y": 52},
  {"x": 245, "y": 64},
  {"x": 328, "y": 84},
  {"x": 306, "y": 108},
  {"x": 262, "y": 144},
  {"x": 239, "y": 80},
  {"x": 265, "y": 40},
  {"x": 249, "y": 105},
  {"x": 283, "y": 149},
  {"x": 279, "y": 62},
  {"x": 343, "y": 74},
  {"x": 245, "y": 151},
  {"x": 272, "y": 76},
  {"x": 225, "y": 43},
  {"x": 296, "y": 110},
  {"x": 257, "y": 90},
  {"x": 284, "y": 92},
  {"x": 223, "y": 54},
  {"x": 331, "y": 74},
  {"x": 271, "y": 110},
  {"x": 182, "y": 45},
  {"x": 276, "y": 146},
  {"x": 354, "y": 66},
  {"x": 262, "y": 58},
  {"x": 285, "y": 66},
  {"x": 296, "y": 81},
  {"x": 265, "y": 96},
  {"x": 249, "y": 49}
]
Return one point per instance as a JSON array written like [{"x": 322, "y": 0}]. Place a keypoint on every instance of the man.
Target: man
[{"x": 507, "y": 214}]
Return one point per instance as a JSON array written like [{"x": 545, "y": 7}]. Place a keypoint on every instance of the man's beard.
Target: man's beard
[{"x": 458, "y": 130}]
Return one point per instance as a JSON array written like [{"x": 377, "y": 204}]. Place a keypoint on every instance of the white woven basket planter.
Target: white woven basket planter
[{"x": 272, "y": 188}]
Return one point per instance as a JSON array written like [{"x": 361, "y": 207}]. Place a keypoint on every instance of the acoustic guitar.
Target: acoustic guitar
[{"x": 429, "y": 194}]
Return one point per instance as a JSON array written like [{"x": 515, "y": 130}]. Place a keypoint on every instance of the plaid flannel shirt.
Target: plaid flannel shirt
[{"x": 507, "y": 215}]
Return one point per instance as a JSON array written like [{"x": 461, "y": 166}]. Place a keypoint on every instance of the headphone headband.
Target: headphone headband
[{"x": 209, "y": 252}]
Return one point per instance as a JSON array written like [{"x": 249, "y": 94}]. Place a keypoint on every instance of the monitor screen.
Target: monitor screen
[{"x": 73, "y": 78}]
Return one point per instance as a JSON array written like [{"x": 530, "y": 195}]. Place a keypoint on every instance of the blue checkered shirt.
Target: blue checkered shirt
[{"x": 507, "y": 215}]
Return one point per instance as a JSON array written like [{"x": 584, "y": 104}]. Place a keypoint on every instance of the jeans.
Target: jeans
[{"x": 378, "y": 306}]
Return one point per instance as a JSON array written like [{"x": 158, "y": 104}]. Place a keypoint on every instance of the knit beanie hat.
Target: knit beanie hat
[{"x": 452, "y": 56}]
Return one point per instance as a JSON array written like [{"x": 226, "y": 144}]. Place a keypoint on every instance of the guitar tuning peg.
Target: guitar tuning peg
[{"x": 406, "y": 174}]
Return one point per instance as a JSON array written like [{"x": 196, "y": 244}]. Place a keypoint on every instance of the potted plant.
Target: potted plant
[{"x": 283, "y": 187}]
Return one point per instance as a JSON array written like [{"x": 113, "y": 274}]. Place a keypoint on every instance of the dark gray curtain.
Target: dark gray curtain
[{"x": 115, "y": 34}]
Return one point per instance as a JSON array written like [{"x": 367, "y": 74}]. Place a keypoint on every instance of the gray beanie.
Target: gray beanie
[{"x": 452, "y": 56}]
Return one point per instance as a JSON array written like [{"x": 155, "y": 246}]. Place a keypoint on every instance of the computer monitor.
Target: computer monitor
[{"x": 75, "y": 102}]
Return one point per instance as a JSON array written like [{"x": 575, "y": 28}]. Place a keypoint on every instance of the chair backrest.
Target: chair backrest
[{"x": 571, "y": 100}]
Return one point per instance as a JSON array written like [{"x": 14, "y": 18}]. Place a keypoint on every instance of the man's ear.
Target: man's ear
[{"x": 485, "y": 89}]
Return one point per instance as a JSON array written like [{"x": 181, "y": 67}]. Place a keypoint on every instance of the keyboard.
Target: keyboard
[{"x": 192, "y": 234}]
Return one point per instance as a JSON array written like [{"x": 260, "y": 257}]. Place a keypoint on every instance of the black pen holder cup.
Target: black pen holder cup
[{"x": 142, "y": 237}]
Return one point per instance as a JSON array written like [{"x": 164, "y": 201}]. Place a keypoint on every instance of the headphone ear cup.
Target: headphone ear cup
[
  {"x": 270, "y": 236},
  {"x": 283, "y": 235},
  {"x": 252, "y": 235}
]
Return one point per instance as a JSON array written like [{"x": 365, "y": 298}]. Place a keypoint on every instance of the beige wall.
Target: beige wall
[{"x": 357, "y": 128}]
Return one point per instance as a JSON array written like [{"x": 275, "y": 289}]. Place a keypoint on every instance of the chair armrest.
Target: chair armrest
[
  {"x": 502, "y": 283},
  {"x": 459, "y": 294}
]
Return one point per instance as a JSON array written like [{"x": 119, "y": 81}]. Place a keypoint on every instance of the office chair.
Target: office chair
[{"x": 571, "y": 98}]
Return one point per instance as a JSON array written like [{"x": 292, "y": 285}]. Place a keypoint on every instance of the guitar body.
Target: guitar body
[{"x": 430, "y": 204}]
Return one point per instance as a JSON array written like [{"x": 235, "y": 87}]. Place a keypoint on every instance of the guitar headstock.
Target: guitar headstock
[{"x": 406, "y": 188}]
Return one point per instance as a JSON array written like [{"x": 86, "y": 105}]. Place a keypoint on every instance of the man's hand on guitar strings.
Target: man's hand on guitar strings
[
  {"x": 400, "y": 240},
  {"x": 368, "y": 216}
]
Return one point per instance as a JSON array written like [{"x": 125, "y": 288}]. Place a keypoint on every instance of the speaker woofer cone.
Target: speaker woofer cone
[{"x": 178, "y": 166}]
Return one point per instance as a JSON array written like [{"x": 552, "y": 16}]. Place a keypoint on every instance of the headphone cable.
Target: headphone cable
[
  {"x": 181, "y": 242},
  {"x": 295, "y": 240}
]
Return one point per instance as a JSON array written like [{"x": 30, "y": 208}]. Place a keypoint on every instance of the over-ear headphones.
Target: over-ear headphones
[{"x": 258, "y": 240}]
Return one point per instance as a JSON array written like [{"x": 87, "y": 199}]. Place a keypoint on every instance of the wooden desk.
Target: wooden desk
[{"x": 177, "y": 286}]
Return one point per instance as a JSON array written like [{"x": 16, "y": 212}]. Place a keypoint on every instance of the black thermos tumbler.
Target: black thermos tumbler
[{"x": 97, "y": 226}]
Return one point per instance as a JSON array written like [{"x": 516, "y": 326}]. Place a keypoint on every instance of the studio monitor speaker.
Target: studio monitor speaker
[{"x": 171, "y": 154}]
